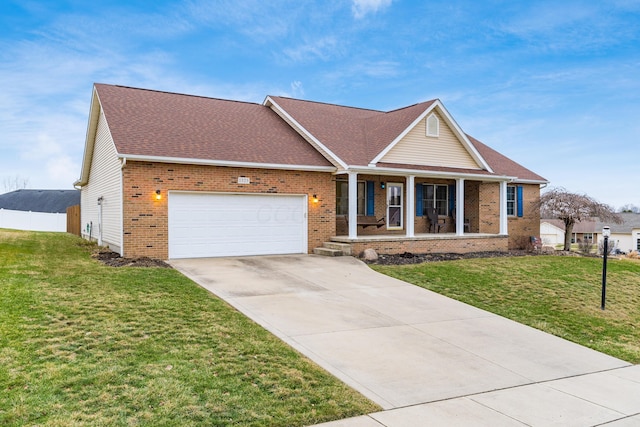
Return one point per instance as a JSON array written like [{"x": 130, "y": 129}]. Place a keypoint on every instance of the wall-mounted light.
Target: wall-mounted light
[
  {"x": 314, "y": 199},
  {"x": 382, "y": 185},
  {"x": 158, "y": 195}
]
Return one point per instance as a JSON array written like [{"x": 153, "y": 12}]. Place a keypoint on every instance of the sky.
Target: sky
[{"x": 554, "y": 85}]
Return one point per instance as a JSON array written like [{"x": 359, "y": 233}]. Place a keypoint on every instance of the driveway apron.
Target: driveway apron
[{"x": 403, "y": 346}]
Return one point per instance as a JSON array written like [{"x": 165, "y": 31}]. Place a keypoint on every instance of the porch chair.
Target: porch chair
[
  {"x": 434, "y": 220},
  {"x": 466, "y": 225}
]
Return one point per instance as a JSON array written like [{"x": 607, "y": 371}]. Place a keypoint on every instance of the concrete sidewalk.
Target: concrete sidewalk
[{"x": 419, "y": 355}]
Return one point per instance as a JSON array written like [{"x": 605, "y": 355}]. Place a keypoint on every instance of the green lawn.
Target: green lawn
[
  {"x": 556, "y": 294},
  {"x": 86, "y": 344}
]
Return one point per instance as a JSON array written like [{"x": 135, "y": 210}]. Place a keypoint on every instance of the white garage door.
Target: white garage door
[{"x": 213, "y": 225}]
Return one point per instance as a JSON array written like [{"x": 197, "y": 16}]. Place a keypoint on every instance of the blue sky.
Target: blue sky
[{"x": 555, "y": 85}]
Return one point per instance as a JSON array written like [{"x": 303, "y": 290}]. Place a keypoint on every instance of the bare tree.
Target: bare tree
[
  {"x": 571, "y": 208},
  {"x": 11, "y": 183},
  {"x": 629, "y": 208}
]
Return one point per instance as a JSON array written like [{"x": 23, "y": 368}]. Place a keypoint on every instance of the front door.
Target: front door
[{"x": 394, "y": 206}]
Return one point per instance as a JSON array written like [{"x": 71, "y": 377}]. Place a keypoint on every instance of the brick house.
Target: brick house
[{"x": 168, "y": 175}]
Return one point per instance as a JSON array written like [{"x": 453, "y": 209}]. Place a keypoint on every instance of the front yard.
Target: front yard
[
  {"x": 86, "y": 344},
  {"x": 557, "y": 294}
]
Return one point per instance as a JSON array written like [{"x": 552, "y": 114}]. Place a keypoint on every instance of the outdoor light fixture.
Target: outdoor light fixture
[
  {"x": 382, "y": 185},
  {"x": 314, "y": 199},
  {"x": 158, "y": 195},
  {"x": 606, "y": 232}
]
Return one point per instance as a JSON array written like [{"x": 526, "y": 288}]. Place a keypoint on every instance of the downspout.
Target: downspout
[{"x": 100, "y": 200}]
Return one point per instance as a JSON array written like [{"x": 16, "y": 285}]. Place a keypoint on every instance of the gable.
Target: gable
[{"x": 444, "y": 150}]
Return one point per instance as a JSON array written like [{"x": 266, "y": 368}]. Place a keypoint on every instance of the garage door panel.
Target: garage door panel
[{"x": 205, "y": 224}]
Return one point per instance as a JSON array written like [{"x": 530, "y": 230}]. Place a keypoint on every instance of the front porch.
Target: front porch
[{"x": 422, "y": 243}]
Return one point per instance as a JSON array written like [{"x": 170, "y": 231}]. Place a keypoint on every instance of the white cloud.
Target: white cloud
[
  {"x": 361, "y": 8},
  {"x": 297, "y": 90},
  {"x": 322, "y": 49}
]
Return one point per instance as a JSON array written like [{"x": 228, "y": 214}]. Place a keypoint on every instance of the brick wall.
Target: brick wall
[
  {"x": 442, "y": 244},
  {"x": 145, "y": 219},
  {"x": 522, "y": 228}
]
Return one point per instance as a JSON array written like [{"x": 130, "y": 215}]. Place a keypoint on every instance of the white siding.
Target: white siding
[
  {"x": 416, "y": 148},
  {"x": 551, "y": 235},
  {"x": 105, "y": 180},
  {"x": 33, "y": 221}
]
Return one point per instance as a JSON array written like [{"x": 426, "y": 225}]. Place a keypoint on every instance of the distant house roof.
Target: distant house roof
[
  {"x": 630, "y": 221},
  {"x": 49, "y": 201},
  {"x": 585, "y": 226}
]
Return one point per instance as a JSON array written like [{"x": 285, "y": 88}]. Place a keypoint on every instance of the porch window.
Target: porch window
[
  {"x": 435, "y": 196},
  {"x": 342, "y": 198},
  {"x": 588, "y": 236}
]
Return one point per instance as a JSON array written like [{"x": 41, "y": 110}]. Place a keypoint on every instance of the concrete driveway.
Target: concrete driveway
[{"x": 420, "y": 355}]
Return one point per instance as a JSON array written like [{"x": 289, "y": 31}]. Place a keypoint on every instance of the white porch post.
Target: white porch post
[
  {"x": 504, "y": 229},
  {"x": 459, "y": 207},
  {"x": 353, "y": 205},
  {"x": 411, "y": 206}
]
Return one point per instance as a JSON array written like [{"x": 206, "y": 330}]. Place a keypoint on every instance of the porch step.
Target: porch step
[
  {"x": 333, "y": 249},
  {"x": 344, "y": 247},
  {"x": 327, "y": 252}
]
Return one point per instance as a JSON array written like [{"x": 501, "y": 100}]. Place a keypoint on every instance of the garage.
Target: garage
[{"x": 221, "y": 224}]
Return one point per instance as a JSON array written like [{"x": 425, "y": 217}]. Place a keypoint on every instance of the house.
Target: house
[
  {"x": 167, "y": 175},
  {"x": 626, "y": 235},
  {"x": 37, "y": 210},
  {"x": 552, "y": 231}
]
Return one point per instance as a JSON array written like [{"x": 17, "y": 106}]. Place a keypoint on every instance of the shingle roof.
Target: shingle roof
[
  {"x": 503, "y": 165},
  {"x": 49, "y": 201},
  {"x": 151, "y": 123},
  {"x": 356, "y": 135},
  {"x": 585, "y": 226},
  {"x": 160, "y": 124},
  {"x": 630, "y": 221}
]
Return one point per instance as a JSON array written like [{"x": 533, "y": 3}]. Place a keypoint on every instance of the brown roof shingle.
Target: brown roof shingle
[
  {"x": 162, "y": 124},
  {"x": 152, "y": 123}
]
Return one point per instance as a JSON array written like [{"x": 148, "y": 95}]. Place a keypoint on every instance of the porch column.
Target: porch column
[
  {"x": 504, "y": 229},
  {"x": 353, "y": 205},
  {"x": 459, "y": 207},
  {"x": 411, "y": 206}
]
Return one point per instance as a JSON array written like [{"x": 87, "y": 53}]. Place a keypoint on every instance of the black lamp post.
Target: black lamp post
[{"x": 606, "y": 232}]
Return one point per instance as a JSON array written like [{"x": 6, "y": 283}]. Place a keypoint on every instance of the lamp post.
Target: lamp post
[{"x": 606, "y": 232}]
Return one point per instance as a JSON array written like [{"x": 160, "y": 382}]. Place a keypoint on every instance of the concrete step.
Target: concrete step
[
  {"x": 327, "y": 252},
  {"x": 344, "y": 247}
]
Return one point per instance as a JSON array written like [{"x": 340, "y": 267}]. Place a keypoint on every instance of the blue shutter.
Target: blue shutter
[
  {"x": 520, "y": 201},
  {"x": 419, "y": 196},
  {"x": 371, "y": 205},
  {"x": 452, "y": 198}
]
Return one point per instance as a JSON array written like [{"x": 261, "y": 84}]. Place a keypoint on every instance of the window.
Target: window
[
  {"x": 342, "y": 198},
  {"x": 638, "y": 245},
  {"x": 511, "y": 200},
  {"x": 435, "y": 196},
  {"x": 588, "y": 236},
  {"x": 433, "y": 125}
]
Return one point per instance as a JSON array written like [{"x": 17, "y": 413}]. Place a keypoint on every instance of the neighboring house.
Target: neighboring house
[
  {"x": 626, "y": 235},
  {"x": 37, "y": 210},
  {"x": 167, "y": 175},
  {"x": 552, "y": 231}
]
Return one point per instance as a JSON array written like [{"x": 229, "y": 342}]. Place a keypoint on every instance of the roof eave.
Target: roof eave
[
  {"x": 92, "y": 126},
  {"x": 226, "y": 163},
  {"x": 424, "y": 173}
]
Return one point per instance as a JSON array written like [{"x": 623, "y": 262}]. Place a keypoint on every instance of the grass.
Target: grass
[
  {"x": 559, "y": 295},
  {"x": 86, "y": 344}
]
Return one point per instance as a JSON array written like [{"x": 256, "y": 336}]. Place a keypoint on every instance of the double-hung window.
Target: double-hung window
[
  {"x": 342, "y": 198},
  {"x": 435, "y": 196},
  {"x": 511, "y": 200}
]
